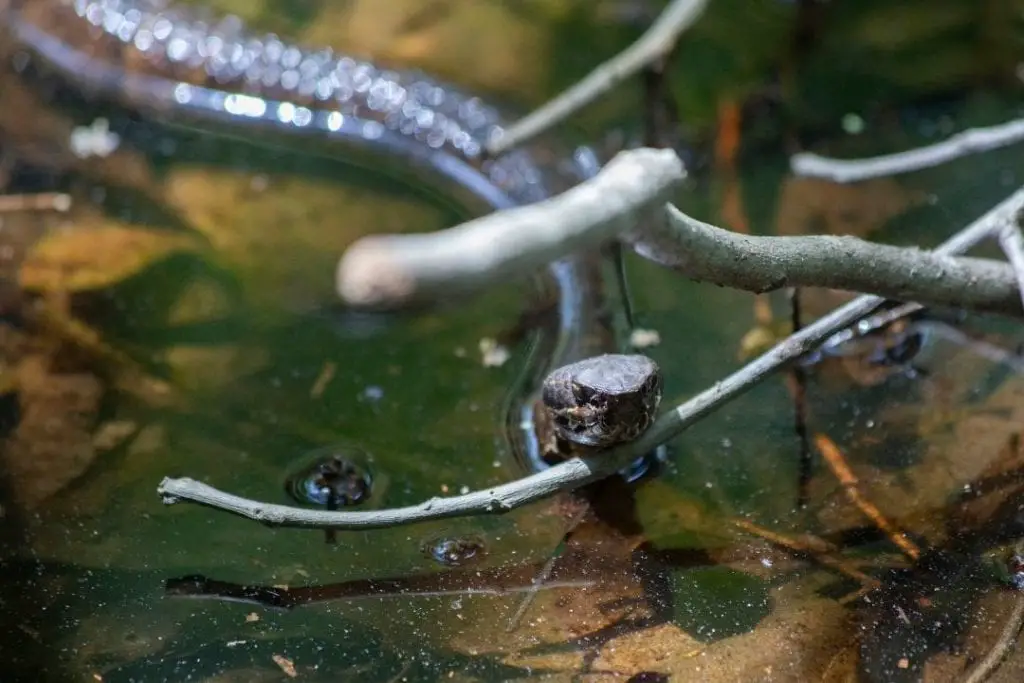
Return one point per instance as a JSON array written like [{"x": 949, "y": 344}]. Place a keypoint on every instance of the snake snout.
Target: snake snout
[{"x": 603, "y": 401}]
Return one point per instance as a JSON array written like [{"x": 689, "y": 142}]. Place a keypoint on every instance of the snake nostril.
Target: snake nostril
[{"x": 570, "y": 424}]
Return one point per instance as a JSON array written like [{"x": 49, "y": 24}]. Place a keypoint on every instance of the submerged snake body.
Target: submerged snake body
[{"x": 166, "y": 59}]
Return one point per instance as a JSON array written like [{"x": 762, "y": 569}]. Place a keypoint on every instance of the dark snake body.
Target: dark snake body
[{"x": 169, "y": 60}]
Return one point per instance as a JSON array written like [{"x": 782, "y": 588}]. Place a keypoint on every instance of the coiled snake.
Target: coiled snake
[{"x": 166, "y": 60}]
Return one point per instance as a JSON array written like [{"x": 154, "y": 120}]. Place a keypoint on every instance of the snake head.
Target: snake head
[
  {"x": 579, "y": 424},
  {"x": 603, "y": 401}
]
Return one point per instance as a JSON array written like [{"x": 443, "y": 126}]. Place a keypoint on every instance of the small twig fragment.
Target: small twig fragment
[
  {"x": 286, "y": 665},
  {"x": 1012, "y": 243},
  {"x": 816, "y": 549},
  {"x": 42, "y": 201},
  {"x": 837, "y": 463}
]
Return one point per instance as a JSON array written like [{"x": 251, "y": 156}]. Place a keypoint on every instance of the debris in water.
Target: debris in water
[
  {"x": 494, "y": 354},
  {"x": 643, "y": 339},
  {"x": 287, "y": 666}
]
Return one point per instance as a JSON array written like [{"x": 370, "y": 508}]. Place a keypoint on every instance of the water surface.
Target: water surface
[{"x": 224, "y": 357}]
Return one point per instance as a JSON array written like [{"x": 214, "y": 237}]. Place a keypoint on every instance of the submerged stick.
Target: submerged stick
[
  {"x": 837, "y": 463},
  {"x": 816, "y": 549},
  {"x": 1007, "y": 639}
]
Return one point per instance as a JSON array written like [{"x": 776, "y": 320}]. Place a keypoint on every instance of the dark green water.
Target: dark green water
[{"x": 240, "y": 322}]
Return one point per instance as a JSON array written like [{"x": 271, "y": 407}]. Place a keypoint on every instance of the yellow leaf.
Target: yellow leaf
[{"x": 94, "y": 254}]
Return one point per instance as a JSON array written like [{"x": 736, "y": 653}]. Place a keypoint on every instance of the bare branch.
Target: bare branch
[
  {"x": 761, "y": 264},
  {"x": 1012, "y": 243},
  {"x": 656, "y": 42},
  {"x": 966, "y": 142},
  {"x": 385, "y": 271},
  {"x": 578, "y": 472}
]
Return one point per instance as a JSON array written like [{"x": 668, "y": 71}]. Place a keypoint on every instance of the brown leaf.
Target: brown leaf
[{"x": 94, "y": 254}]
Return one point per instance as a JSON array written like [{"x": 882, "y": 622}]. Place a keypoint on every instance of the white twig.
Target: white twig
[
  {"x": 966, "y": 142},
  {"x": 656, "y": 42},
  {"x": 578, "y": 472},
  {"x": 390, "y": 271},
  {"x": 383, "y": 271},
  {"x": 1012, "y": 244}
]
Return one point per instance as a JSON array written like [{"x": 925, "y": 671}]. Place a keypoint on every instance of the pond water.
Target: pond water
[{"x": 181, "y": 321}]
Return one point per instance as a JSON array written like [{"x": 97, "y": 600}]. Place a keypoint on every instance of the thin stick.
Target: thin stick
[
  {"x": 655, "y": 43},
  {"x": 979, "y": 347},
  {"x": 1012, "y": 244},
  {"x": 816, "y": 549},
  {"x": 799, "y": 384},
  {"x": 385, "y": 271},
  {"x": 624, "y": 200},
  {"x": 661, "y": 114},
  {"x": 837, "y": 463},
  {"x": 578, "y": 472},
  {"x": 1007, "y": 638},
  {"x": 966, "y": 142},
  {"x": 42, "y": 201},
  {"x": 545, "y": 573}
]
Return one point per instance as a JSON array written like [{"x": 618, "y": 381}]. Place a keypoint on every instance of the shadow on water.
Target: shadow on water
[{"x": 221, "y": 354}]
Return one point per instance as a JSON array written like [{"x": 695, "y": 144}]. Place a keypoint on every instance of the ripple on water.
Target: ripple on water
[
  {"x": 332, "y": 477},
  {"x": 455, "y": 551}
]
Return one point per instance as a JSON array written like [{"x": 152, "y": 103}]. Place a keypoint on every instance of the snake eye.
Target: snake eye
[
  {"x": 571, "y": 420},
  {"x": 583, "y": 394}
]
